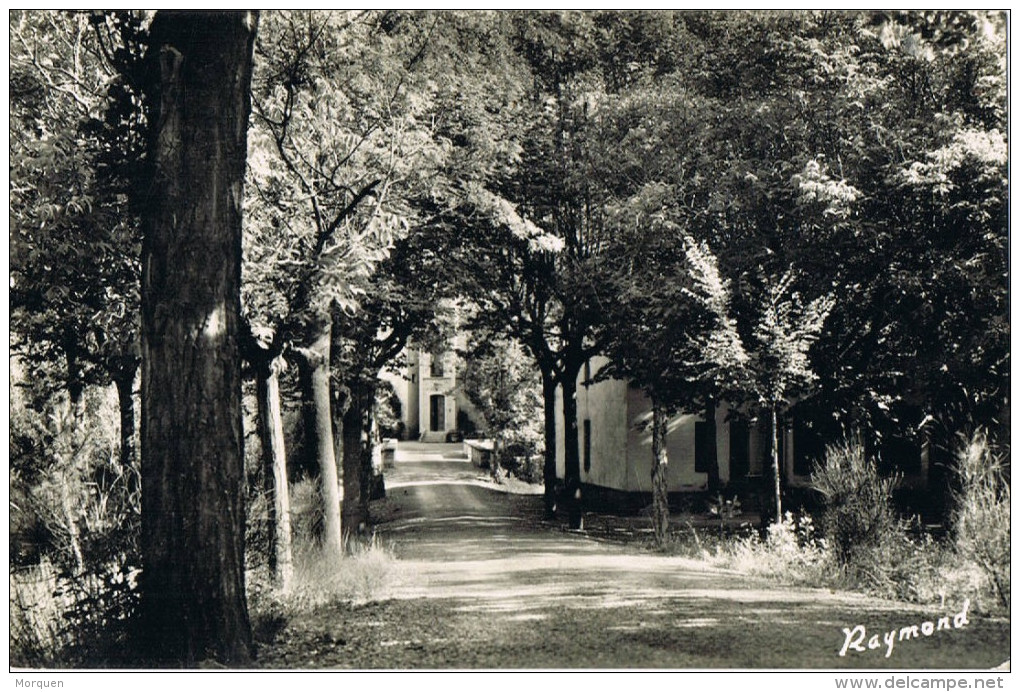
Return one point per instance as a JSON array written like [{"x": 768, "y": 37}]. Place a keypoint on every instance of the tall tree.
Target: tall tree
[
  {"x": 668, "y": 330},
  {"x": 537, "y": 291},
  {"x": 194, "y": 605},
  {"x": 338, "y": 139},
  {"x": 405, "y": 301},
  {"x": 780, "y": 368}
]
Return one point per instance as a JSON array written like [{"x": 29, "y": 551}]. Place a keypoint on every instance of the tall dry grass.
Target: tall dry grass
[{"x": 981, "y": 518}]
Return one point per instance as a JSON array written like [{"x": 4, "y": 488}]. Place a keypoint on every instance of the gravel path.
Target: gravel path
[{"x": 483, "y": 582}]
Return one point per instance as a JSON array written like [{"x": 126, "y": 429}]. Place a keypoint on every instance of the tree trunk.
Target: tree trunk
[
  {"x": 319, "y": 433},
  {"x": 571, "y": 454},
  {"x": 549, "y": 465},
  {"x": 124, "y": 378},
  {"x": 305, "y": 462},
  {"x": 274, "y": 461},
  {"x": 75, "y": 383},
  {"x": 497, "y": 450},
  {"x": 67, "y": 506},
  {"x": 341, "y": 402},
  {"x": 712, "y": 450},
  {"x": 777, "y": 473},
  {"x": 353, "y": 466},
  {"x": 193, "y": 604},
  {"x": 368, "y": 451},
  {"x": 660, "y": 466}
]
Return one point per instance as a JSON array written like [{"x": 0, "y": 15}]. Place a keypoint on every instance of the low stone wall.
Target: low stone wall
[{"x": 479, "y": 452}]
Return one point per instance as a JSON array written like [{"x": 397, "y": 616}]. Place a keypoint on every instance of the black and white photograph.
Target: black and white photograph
[{"x": 492, "y": 341}]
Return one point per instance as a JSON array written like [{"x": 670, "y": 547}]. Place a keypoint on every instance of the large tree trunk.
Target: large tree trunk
[
  {"x": 571, "y": 453},
  {"x": 319, "y": 433},
  {"x": 274, "y": 462},
  {"x": 660, "y": 466},
  {"x": 193, "y": 594},
  {"x": 549, "y": 465},
  {"x": 353, "y": 421},
  {"x": 711, "y": 450}
]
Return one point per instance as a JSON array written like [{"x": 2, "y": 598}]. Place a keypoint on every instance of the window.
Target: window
[
  {"x": 808, "y": 447},
  {"x": 587, "y": 445},
  {"x": 587, "y": 373},
  {"x": 899, "y": 454},
  {"x": 704, "y": 446},
  {"x": 740, "y": 458},
  {"x": 436, "y": 365}
]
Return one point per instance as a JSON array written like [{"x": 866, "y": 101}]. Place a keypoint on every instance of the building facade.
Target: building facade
[
  {"x": 433, "y": 408},
  {"x": 615, "y": 447}
]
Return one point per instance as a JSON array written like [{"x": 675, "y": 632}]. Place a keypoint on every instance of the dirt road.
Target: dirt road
[{"x": 483, "y": 582}]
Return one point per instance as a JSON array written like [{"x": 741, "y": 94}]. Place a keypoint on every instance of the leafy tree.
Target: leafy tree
[
  {"x": 498, "y": 378},
  {"x": 335, "y": 137},
  {"x": 404, "y": 302},
  {"x": 779, "y": 367},
  {"x": 529, "y": 269},
  {"x": 508, "y": 264},
  {"x": 865, "y": 104},
  {"x": 74, "y": 269},
  {"x": 668, "y": 330}
]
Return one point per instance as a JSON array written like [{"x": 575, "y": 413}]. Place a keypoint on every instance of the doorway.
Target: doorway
[{"x": 437, "y": 413}]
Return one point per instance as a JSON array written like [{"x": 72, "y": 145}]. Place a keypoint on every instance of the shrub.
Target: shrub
[
  {"x": 64, "y": 620},
  {"x": 859, "y": 522},
  {"x": 257, "y": 529},
  {"x": 525, "y": 466},
  {"x": 306, "y": 511},
  {"x": 790, "y": 553},
  {"x": 34, "y": 618},
  {"x": 76, "y": 524},
  {"x": 322, "y": 578},
  {"x": 982, "y": 514}
]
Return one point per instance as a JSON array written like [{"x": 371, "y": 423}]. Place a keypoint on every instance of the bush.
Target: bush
[
  {"x": 321, "y": 578},
  {"x": 982, "y": 514},
  {"x": 70, "y": 620},
  {"x": 791, "y": 552},
  {"x": 306, "y": 511},
  {"x": 75, "y": 526},
  {"x": 258, "y": 540},
  {"x": 525, "y": 467},
  {"x": 859, "y": 522}
]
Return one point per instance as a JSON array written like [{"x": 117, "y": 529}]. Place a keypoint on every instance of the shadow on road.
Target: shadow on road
[{"x": 482, "y": 581}]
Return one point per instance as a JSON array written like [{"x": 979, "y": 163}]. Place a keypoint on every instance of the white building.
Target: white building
[
  {"x": 433, "y": 407},
  {"x": 615, "y": 446}
]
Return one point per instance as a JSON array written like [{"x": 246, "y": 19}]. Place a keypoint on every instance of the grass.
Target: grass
[{"x": 321, "y": 577}]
